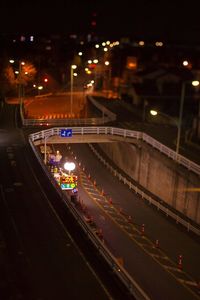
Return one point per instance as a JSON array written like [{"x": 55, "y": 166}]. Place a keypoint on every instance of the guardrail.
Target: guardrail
[
  {"x": 118, "y": 270},
  {"x": 122, "y": 274},
  {"x": 65, "y": 122},
  {"x": 107, "y": 116},
  {"x": 157, "y": 204},
  {"x": 125, "y": 133}
]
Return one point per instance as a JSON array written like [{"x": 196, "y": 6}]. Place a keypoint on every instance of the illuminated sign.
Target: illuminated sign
[
  {"x": 68, "y": 178},
  {"x": 68, "y": 182},
  {"x": 68, "y": 186},
  {"x": 66, "y": 132}
]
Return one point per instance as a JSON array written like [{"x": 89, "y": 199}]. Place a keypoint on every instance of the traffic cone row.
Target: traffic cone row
[
  {"x": 157, "y": 245},
  {"x": 142, "y": 229},
  {"x": 180, "y": 262},
  {"x": 100, "y": 233},
  {"x": 129, "y": 219},
  {"x": 120, "y": 210}
]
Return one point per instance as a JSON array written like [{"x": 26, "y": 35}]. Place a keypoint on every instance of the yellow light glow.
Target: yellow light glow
[
  {"x": 153, "y": 112},
  {"x": 159, "y": 44},
  {"x": 73, "y": 67},
  {"x": 195, "y": 82},
  {"x": 141, "y": 43},
  {"x": 185, "y": 63}
]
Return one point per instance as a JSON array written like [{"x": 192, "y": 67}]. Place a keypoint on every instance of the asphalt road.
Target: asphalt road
[
  {"x": 158, "y": 280},
  {"x": 39, "y": 257},
  {"x": 156, "y": 270}
]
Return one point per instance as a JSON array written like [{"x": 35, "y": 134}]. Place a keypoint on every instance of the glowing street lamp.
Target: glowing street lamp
[
  {"x": 194, "y": 83},
  {"x": 20, "y": 91},
  {"x": 69, "y": 166},
  {"x": 73, "y": 67},
  {"x": 153, "y": 112},
  {"x": 179, "y": 124}
]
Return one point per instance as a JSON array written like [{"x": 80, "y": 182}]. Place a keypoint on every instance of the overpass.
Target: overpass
[
  {"x": 137, "y": 139},
  {"x": 95, "y": 135}
]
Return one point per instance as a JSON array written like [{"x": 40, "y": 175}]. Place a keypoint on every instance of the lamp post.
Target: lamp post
[
  {"x": 20, "y": 91},
  {"x": 45, "y": 149},
  {"x": 19, "y": 77},
  {"x": 73, "y": 67},
  {"x": 194, "y": 83},
  {"x": 108, "y": 74},
  {"x": 69, "y": 166},
  {"x": 179, "y": 123}
]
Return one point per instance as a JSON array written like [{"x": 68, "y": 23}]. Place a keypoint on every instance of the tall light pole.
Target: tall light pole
[
  {"x": 194, "y": 83},
  {"x": 20, "y": 91},
  {"x": 179, "y": 123},
  {"x": 19, "y": 77},
  {"x": 73, "y": 67}
]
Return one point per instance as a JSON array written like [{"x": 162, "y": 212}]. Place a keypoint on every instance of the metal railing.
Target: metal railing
[
  {"x": 107, "y": 116},
  {"x": 145, "y": 196},
  {"x": 121, "y": 273},
  {"x": 131, "y": 285},
  {"x": 67, "y": 122},
  {"x": 125, "y": 133}
]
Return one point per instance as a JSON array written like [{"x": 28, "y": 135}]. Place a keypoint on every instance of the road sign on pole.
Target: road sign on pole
[{"x": 66, "y": 132}]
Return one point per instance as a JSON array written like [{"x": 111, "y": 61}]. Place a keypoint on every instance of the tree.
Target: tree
[
  {"x": 26, "y": 74},
  {"x": 11, "y": 81}
]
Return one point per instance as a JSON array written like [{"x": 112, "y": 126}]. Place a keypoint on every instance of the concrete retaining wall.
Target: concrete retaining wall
[{"x": 172, "y": 183}]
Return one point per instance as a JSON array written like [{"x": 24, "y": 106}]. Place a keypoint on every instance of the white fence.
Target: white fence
[
  {"x": 113, "y": 131},
  {"x": 107, "y": 116},
  {"x": 145, "y": 196},
  {"x": 129, "y": 282},
  {"x": 118, "y": 270}
]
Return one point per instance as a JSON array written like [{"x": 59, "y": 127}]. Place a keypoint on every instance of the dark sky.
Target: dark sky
[{"x": 169, "y": 20}]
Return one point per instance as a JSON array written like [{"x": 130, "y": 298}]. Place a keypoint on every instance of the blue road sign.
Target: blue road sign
[{"x": 66, "y": 132}]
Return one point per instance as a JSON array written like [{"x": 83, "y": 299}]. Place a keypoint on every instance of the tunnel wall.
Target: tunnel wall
[{"x": 169, "y": 181}]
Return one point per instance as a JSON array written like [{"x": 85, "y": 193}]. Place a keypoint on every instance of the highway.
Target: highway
[
  {"x": 41, "y": 247},
  {"x": 44, "y": 254},
  {"x": 156, "y": 270}
]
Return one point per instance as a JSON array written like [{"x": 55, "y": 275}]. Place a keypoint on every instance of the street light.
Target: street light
[
  {"x": 108, "y": 73},
  {"x": 170, "y": 119},
  {"x": 45, "y": 148},
  {"x": 19, "y": 77},
  {"x": 73, "y": 67},
  {"x": 20, "y": 91},
  {"x": 194, "y": 83},
  {"x": 69, "y": 166},
  {"x": 179, "y": 123}
]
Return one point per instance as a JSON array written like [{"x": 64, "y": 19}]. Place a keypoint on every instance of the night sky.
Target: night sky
[{"x": 149, "y": 19}]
